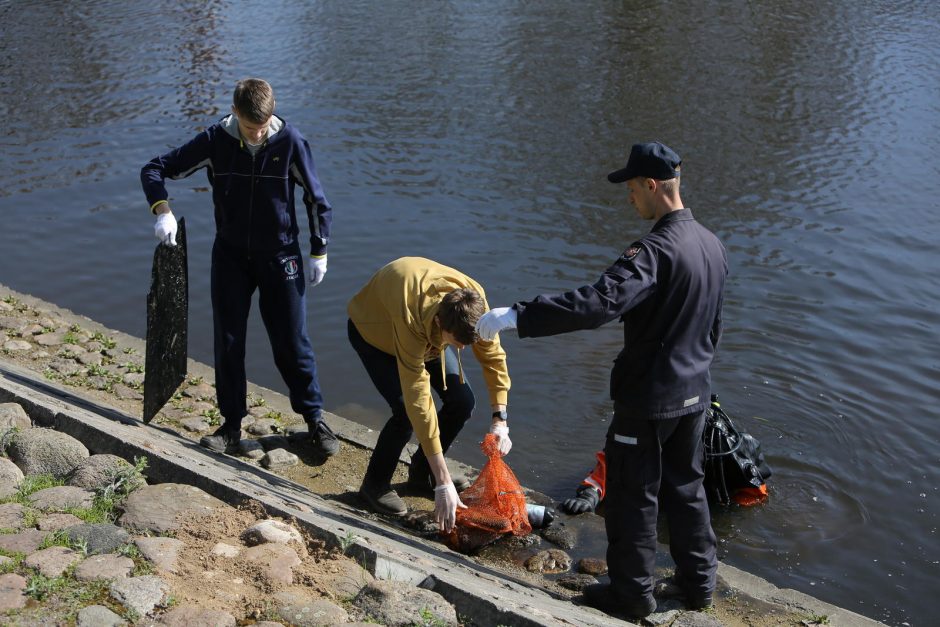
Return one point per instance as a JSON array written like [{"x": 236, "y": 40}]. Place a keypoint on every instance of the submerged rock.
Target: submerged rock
[{"x": 548, "y": 562}]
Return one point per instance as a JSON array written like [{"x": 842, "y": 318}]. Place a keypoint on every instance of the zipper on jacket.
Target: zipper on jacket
[{"x": 251, "y": 199}]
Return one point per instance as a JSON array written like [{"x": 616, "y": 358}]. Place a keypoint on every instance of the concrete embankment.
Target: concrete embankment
[{"x": 481, "y": 594}]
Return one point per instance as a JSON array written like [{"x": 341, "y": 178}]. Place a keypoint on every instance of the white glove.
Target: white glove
[
  {"x": 317, "y": 269},
  {"x": 501, "y": 430},
  {"x": 165, "y": 228},
  {"x": 496, "y": 320},
  {"x": 446, "y": 503}
]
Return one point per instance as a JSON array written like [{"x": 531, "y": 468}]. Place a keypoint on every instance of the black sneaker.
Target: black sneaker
[
  {"x": 600, "y": 596},
  {"x": 323, "y": 439},
  {"x": 224, "y": 440},
  {"x": 383, "y": 501}
]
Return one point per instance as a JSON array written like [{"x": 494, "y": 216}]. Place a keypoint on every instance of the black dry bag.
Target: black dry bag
[{"x": 733, "y": 460}]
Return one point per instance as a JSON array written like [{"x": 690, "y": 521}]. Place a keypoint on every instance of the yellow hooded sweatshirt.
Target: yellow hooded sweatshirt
[{"x": 395, "y": 312}]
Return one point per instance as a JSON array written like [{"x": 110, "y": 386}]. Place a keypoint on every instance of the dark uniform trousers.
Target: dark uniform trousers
[
  {"x": 279, "y": 278},
  {"x": 653, "y": 462},
  {"x": 458, "y": 402}
]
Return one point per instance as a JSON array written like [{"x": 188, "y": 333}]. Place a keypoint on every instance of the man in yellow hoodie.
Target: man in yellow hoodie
[{"x": 408, "y": 325}]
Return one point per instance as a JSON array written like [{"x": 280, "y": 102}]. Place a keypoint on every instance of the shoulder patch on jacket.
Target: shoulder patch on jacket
[{"x": 631, "y": 252}]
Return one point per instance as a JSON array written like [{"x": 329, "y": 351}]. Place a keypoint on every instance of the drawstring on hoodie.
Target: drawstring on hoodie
[{"x": 444, "y": 369}]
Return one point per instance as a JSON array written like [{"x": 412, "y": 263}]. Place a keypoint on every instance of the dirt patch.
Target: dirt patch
[{"x": 231, "y": 583}]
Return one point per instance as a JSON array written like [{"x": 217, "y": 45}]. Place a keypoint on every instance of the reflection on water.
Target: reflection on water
[{"x": 479, "y": 134}]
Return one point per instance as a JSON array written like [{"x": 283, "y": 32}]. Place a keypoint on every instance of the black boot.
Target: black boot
[
  {"x": 602, "y": 597},
  {"x": 224, "y": 440}
]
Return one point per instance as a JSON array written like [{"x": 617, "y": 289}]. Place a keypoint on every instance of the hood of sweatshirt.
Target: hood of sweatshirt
[{"x": 230, "y": 124}]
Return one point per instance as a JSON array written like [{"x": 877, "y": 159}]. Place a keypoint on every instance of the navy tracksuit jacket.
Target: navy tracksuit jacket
[{"x": 256, "y": 246}]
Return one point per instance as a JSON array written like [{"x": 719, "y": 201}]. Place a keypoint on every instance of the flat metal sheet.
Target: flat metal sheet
[{"x": 167, "y": 321}]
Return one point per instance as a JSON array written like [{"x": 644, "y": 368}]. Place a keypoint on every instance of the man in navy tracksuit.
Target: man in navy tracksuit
[
  {"x": 667, "y": 290},
  {"x": 253, "y": 160}
]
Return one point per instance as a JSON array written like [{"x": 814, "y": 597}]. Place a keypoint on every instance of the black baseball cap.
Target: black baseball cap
[{"x": 651, "y": 160}]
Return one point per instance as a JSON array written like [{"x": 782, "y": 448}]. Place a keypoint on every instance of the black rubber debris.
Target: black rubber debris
[{"x": 167, "y": 321}]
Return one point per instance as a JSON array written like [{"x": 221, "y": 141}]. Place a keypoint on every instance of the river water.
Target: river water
[{"x": 479, "y": 134}]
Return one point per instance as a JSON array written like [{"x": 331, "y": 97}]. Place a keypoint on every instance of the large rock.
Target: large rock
[
  {"x": 397, "y": 604},
  {"x": 98, "y": 616},
  {"x": 271, "y": 530},
  {"x": 58, "y": 520},
  {"x": 108, "y": 566},
  {"x": 99, "y": 471},
  {"x": 17, "y": 346},
  {"x": 99, "y": 538},
  {"x": 46, "y": 451},
  {"x": 251, "y": 449},
  {"x": 276, "y": 561},
  {"x": 53, "y": 561},
  {"x": 189, "y": 616},
  {"x": 12, "y": 595},
  {"x": 11, "y": 516},
  {"x": 225, "y": 550},
  {"x": 163, "y": 552},
  {"x": 10, "y": 477},
  {"x": 262, "y": 426},
  {"x": 155, "y": 508},
  {"x": 303, "y": 611},
  {"x": 61, "y": 498},
  {"x": 141, "y": 594},
  {"x": 13, "y": 416},
  {"x": 279, "y": 459},
  {"x": 23, "y": 542},
  {"x": 200, "y": 391},
  {"x": 345, "y": 579}
]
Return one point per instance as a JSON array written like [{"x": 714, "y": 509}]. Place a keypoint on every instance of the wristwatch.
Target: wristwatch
[{"x": 501, "y": 414}]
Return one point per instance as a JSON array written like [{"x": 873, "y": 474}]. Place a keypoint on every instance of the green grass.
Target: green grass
[
  {"x": 428, "y": 619},
  {"x": 39, "y": 586},
  {"x": 61, "y": 538},
  {"x": 12, "y": 566},
  {"x": 142, "y": 565},
  {"x": 102, "y": 510},
  {"x": 213, "y": 416},
  {"x": 107, "y": 342},
  {"x": 31, "y": 484}
]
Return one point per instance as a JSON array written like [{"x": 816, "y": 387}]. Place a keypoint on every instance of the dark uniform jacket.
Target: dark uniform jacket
[{"x": 667, "y": 290}]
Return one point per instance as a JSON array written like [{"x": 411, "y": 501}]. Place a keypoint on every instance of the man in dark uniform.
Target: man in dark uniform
[{"x": 667, "y": 290}]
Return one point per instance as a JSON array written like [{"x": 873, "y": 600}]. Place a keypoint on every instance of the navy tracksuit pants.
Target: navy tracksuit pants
[
  {"x": 279, "y": 278},
  {"x": 653, "y": 463}
]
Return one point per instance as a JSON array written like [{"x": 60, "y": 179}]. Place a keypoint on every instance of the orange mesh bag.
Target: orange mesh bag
[{"x": 495, "y": 505}]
